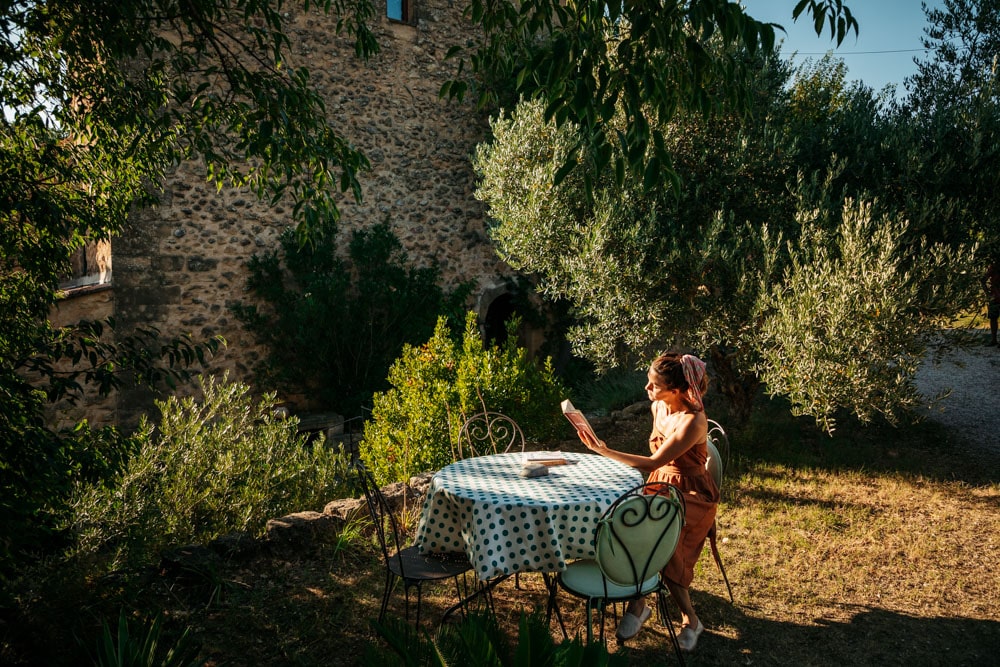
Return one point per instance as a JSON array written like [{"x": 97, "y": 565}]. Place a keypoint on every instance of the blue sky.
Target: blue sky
[{"x": 882, "y": 54}]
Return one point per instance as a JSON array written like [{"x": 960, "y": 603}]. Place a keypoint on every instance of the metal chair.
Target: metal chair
[
  {"x": 715, "y": 465},
  {"x": 489, "y": 433},
  {"x": 717, "y": 435},
  {"x": 634, "y": 540},
  {"x": 407, "y": 564}
]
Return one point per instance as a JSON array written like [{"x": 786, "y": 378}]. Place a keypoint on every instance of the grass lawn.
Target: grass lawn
[{"x": 877, "y": 546}]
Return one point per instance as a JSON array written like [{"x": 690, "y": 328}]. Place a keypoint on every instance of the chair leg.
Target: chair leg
[
  {"x": 461, "y": 596},
  {"x": 387, "y": 591},
  {"x": 718, "y": 561},
  {"x": 419, "y": 600},
  {"x": 665, "y": 619},
  {"x": 406, "y": 598},
  {"x": 604, "y": 609},
  {"x": 552, "y": 585},
  {"x": 590, "y": 621}
]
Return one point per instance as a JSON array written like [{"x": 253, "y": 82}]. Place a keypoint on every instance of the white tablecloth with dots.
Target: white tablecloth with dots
[{"x": 506, "y": 523}]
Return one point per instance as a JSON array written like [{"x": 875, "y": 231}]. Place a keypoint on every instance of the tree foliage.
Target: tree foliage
[
  {"x": 590, "y": 62},
  {"x": 641, "y": 265},
  {"x": 759, "y": 262},
  {"x": 100, "y": 99},
  {"x": 954, "y": 103}
]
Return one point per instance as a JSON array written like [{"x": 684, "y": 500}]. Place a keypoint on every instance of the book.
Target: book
[
  {"x": 577, "y": 419},
  {"x": 546, "y": 458}
]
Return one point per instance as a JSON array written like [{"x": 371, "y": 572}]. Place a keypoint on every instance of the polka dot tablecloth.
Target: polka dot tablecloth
[{"x": 506, "y": 523}]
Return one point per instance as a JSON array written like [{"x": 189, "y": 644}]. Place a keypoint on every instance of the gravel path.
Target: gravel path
[{"x": 973, "y": 407}]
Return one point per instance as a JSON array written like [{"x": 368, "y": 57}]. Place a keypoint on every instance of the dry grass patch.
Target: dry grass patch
[{"x": 875, "y": 547}]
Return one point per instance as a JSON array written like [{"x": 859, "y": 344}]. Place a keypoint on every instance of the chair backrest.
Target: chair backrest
[
  {"x": 714, "y": 463},
  {"x": 638, "y": 534},
  {"x": 386, "y": 527},
  {"x": 718, "y": 451},
  {"x": 489, "y": 433}
]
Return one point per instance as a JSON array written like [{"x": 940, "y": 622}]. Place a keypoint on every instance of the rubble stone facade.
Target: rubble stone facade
[{"x": 182, "y": 263}]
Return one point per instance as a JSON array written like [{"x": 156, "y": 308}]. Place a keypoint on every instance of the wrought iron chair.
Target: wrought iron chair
[
  {"x": 717, "y": 440},
  {"x": 635, "y": 539},
  {"x": 406, "y": 564},
  {"x": 489, "y": 433},
  {"x": 717, "y": 436}
]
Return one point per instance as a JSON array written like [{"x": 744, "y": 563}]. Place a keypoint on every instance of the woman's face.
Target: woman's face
[{"x": 655, "y": 389}]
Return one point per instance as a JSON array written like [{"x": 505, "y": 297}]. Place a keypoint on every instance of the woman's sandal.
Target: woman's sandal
[
  {"x": 631, "y": 624},
  {"x": 688, "y": 638}
]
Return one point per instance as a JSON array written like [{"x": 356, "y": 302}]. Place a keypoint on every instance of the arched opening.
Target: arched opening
[{"x": 500, "y": 310}]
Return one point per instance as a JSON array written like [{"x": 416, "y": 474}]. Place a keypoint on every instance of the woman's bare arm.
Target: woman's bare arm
[{"x": 690, "y": 430}]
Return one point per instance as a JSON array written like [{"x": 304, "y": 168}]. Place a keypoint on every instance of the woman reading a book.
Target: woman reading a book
[{"x": 678, "y": 454}]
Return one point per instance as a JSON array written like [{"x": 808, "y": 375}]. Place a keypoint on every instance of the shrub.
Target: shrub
[
  {"x": 216, "y": 466},
  {"x": 333, "y": 326},
  {"x": 437, "y": 385}
]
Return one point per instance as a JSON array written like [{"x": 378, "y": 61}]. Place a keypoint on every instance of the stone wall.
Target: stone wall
[
  {"x": 87, "y": 303},
  {"x": 181, "y": 264}
]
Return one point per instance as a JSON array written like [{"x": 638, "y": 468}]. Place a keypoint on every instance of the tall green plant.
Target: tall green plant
[
  {"x": 707, "y": 268},
  {"x": 217, "y": 465},
  {"x": 132, "y": 646},
  {"x": 437, "y": 385},
  {"x": 333, "y": 326},
  {"x": 478, "y": 640}
]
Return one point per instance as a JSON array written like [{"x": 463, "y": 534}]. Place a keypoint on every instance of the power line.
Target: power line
[{"x": 856, "y": 53}]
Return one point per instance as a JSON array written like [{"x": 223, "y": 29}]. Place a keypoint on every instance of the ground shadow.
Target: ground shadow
[
  {"x": 924, "y": 448},
  {"x": 869, "y": 636}
]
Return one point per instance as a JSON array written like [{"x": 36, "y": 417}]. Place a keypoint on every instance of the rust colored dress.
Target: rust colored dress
[{"x": 701, "y": 498}]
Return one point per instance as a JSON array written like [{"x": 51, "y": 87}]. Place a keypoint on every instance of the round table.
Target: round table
[{"x": 506, "y": 523}]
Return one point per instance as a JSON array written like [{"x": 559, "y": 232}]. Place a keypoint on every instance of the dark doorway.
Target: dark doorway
[{"x": 495, "y": 323}]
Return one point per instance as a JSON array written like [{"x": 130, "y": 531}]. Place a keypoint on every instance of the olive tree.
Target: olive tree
[
  {"x": 644, "y": 268},
  {"x": 953, "y": 106},
  {"x": 767, "y": 271}
]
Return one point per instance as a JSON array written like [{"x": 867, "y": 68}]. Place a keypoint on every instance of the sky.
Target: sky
[{"x": 881, "y": 54}]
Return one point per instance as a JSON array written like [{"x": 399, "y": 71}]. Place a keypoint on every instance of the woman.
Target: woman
[{"x": 678, "y": 454}]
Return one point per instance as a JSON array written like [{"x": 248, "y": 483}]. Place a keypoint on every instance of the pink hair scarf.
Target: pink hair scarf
[{"x": 694, "y": 373}]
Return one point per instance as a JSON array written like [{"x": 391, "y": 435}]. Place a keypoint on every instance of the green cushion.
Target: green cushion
[
  {"x": 584, "y": 578},
  {"x": 638, "y": 539}
]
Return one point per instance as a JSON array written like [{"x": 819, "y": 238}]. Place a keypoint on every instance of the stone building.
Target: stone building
[{"x": 182, "y": 263}]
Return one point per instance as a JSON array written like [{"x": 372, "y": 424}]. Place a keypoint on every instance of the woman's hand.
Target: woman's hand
[{"x": 592, "y": 443}]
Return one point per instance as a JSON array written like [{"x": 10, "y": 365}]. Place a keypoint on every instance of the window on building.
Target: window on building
[
  {"x": 400, "y": 10},
  {"x": 91, "y": 265}
]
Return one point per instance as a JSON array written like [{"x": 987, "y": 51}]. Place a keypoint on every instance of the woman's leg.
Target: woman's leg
[
  {"x": 636, "y": 606},
  {"x": 682, "y": 598}
]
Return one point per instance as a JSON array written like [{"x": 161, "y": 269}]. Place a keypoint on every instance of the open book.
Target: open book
[{"x": 577, "y": 418}]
